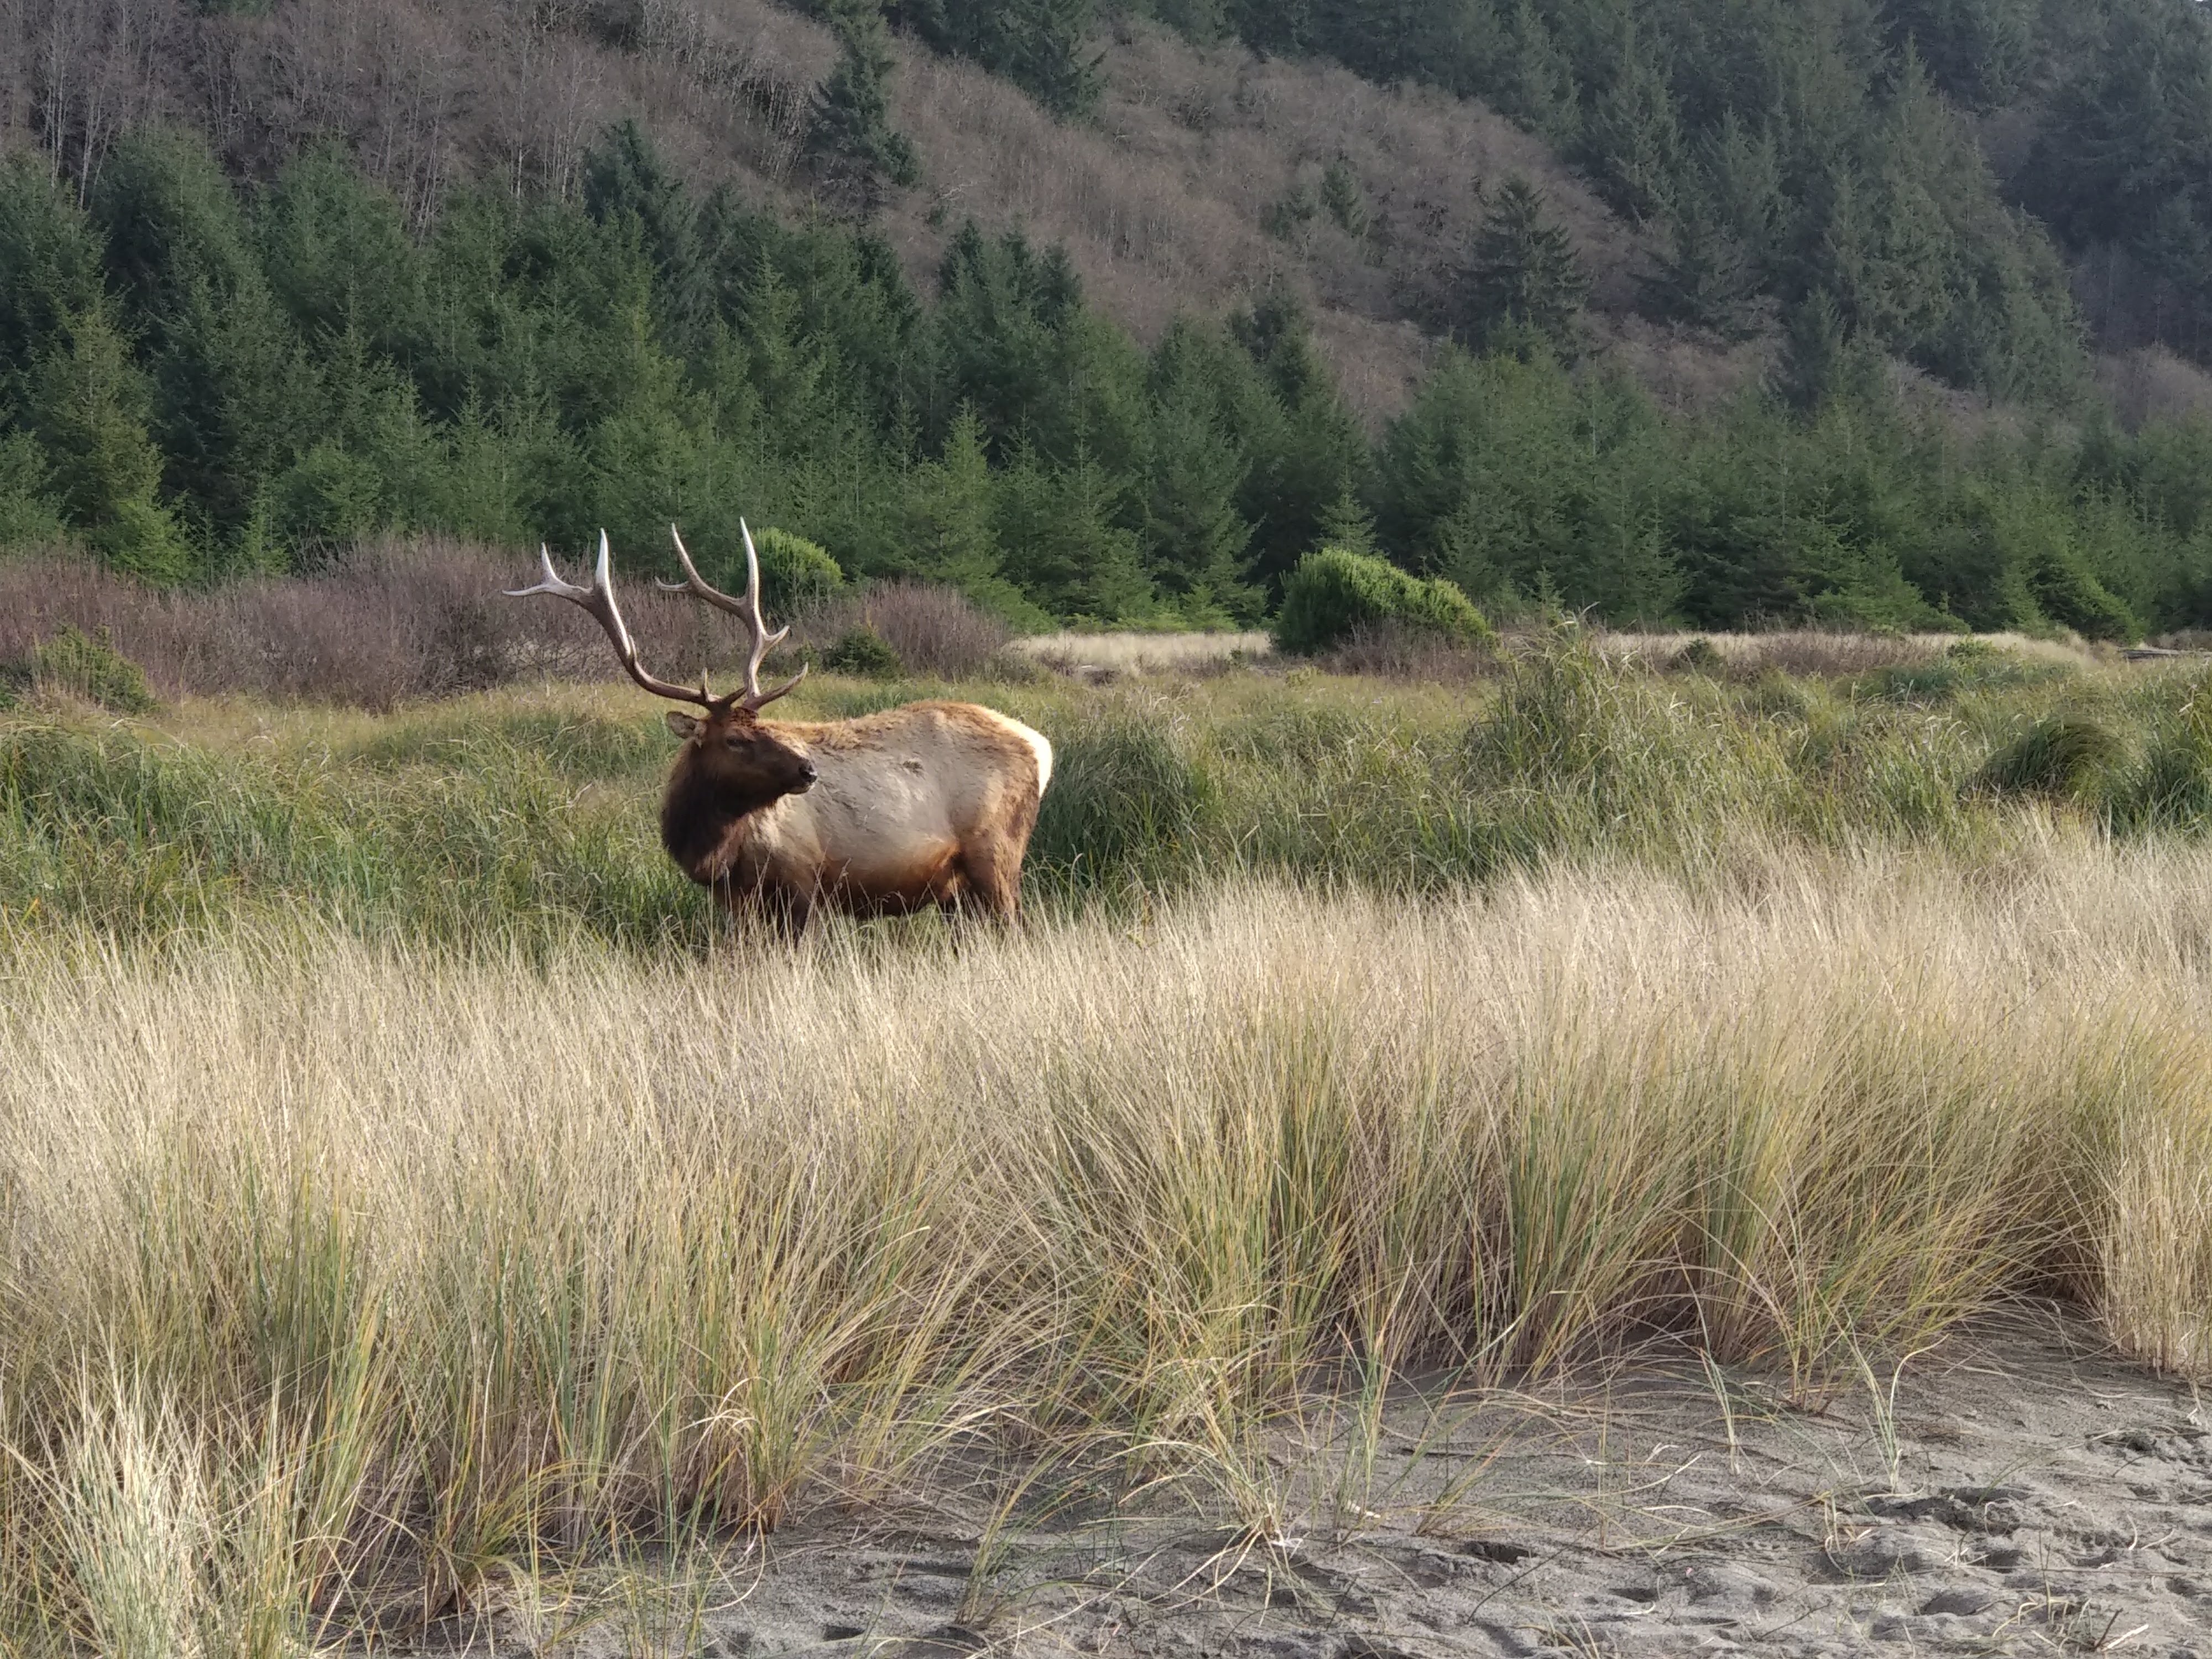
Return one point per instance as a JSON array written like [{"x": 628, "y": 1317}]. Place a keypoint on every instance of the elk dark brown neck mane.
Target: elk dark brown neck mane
[
  {"x": 928, "y": 805},
  {"x": 698, "y": 822}
]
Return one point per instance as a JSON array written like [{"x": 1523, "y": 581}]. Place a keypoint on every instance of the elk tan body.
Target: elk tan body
[{"x": 928, "y": 805}]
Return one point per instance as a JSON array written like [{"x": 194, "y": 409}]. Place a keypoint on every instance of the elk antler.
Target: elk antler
[
  {"x": 599, "y": 600},
  {"x": 747, "y": 610}
]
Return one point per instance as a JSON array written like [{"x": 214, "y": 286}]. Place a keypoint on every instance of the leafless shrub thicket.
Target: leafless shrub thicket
[
  {"x": 933, "y": 630},
  {"x": 423, "y": 93},
  {"x": 2152, "y": 384},
  {"x": 390, "y": 622},
  {"x": 1393, "y": 651}
]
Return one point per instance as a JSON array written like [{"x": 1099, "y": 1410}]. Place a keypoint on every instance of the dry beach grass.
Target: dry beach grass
[{"x": 349, "y": 1280}]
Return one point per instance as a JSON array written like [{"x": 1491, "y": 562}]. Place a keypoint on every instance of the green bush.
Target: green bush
[
  {"x": 864, "y": 652},
  {"x": 1334, "y": 590},
  {"x": 794, "y": 570},
  {"x": 88, "y": 666}
]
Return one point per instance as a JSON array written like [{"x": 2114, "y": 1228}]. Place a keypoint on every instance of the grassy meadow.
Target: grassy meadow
[{"x": 410, "y": 1191}]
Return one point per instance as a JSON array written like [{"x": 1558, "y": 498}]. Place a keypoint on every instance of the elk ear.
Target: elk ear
[{"x": 681, "y": 723}]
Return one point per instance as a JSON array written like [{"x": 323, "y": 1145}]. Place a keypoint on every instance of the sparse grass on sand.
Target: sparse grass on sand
[{"x": 407, "y": 1187}]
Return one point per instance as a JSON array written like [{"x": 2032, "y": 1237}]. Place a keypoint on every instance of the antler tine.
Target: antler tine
[
  {"x": 755, "y": 697},
  {"x": 746, "y": 611},
  {"x": 598, "y": 602}
]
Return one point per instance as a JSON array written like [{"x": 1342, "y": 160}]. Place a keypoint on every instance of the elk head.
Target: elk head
[{"x": 728, "y": 750}]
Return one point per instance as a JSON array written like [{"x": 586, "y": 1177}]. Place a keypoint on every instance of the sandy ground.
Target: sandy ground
[{"x": 2024, "y": 1493}]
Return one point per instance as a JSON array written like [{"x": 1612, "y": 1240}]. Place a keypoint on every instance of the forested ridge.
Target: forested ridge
[{"x": 231, "y": 342}]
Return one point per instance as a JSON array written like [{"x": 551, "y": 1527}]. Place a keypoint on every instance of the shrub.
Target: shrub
[
  {"x": 862, "y": 651},
  {"x": 794, "y": 571},
  {"x": 2058, "y": 755},
  {"x": 88, "y": 665},
  {"x": 1397, "y": 650},
  {"x": 1335, "y": 590}
]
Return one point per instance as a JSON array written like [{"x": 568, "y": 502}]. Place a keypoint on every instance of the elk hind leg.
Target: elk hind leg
[{"x": 995, "y": 878}]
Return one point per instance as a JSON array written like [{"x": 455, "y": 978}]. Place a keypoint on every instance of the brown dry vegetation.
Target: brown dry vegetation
[{"x": 390, "y": 622}]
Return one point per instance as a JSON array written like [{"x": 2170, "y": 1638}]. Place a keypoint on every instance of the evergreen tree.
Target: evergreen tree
[
  {"x": 1303, "y": 449},
  {"x": 50, "y": 264},
  {"x": 87, "y": 405},
  {"x": 1821, "y": 357},
  {"x": 1040, "y": 45},
  {"x": 335, "y": 251},
  {"x": 1706, "y": 278},
  {"x": 859, "y": 155},
  {"x": 627, "y": 187},
  {"x": 948, "y": 535},
  {"x": 1060, "y": 528},
  {"x": 1523, "y": 278},
  {"x": 1980, "y": 51},
  {"x": 1631, "y": 136},
  {"x": 1196, "y": 538}
]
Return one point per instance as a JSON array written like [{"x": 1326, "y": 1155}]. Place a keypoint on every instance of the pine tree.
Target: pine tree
[
  {"x": 948, "y": 533},
  {"x": 627, "y": 187},
  {"x": 1523, "y": 277},
  {"x": 50, "y": 264},
  {"x": 1632, "y": 136},
  {"x": 1060, "y": 528},
  {"x": 861, "y": 157},
  {"x": 88, "y": 406},
  {"x": 1822, "y": 358},
  {"x": 1040, "y": 45},
  {"x": 1704, "y": 279},
  {"x": 1196, "y": 537},
  {"x": 1541, "y": 88}
]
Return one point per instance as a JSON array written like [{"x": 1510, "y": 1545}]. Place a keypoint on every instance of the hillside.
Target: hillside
[
  {"x": 1160, "y": 199},
  {"x": 274, "y": 278}
]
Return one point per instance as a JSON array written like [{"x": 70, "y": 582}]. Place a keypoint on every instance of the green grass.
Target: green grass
[{"x": 530, "y": 816}]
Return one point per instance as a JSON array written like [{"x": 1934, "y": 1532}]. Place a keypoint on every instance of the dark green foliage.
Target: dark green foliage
[
  {"x": 849, "y": 134},
  {"x": 2123, "y": 161},
  {"x": 793, "y": 570},
  {"x": 1040, "y": 45},
  {"x": 1706, "y": 276},
  {"x": 84, "y": 666},
  {"x": 1523, "y": 280},
  {"x": 1334, "y": 592},
  {"x": 1796, "y": 145},
  {"x": 2059, "y": 755},
  {"x": 85, "y": 401},
  {"x": 864, "y": 652}
]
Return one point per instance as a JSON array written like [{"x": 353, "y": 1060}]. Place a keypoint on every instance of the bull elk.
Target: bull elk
[{"x": 930, "y": 803}]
